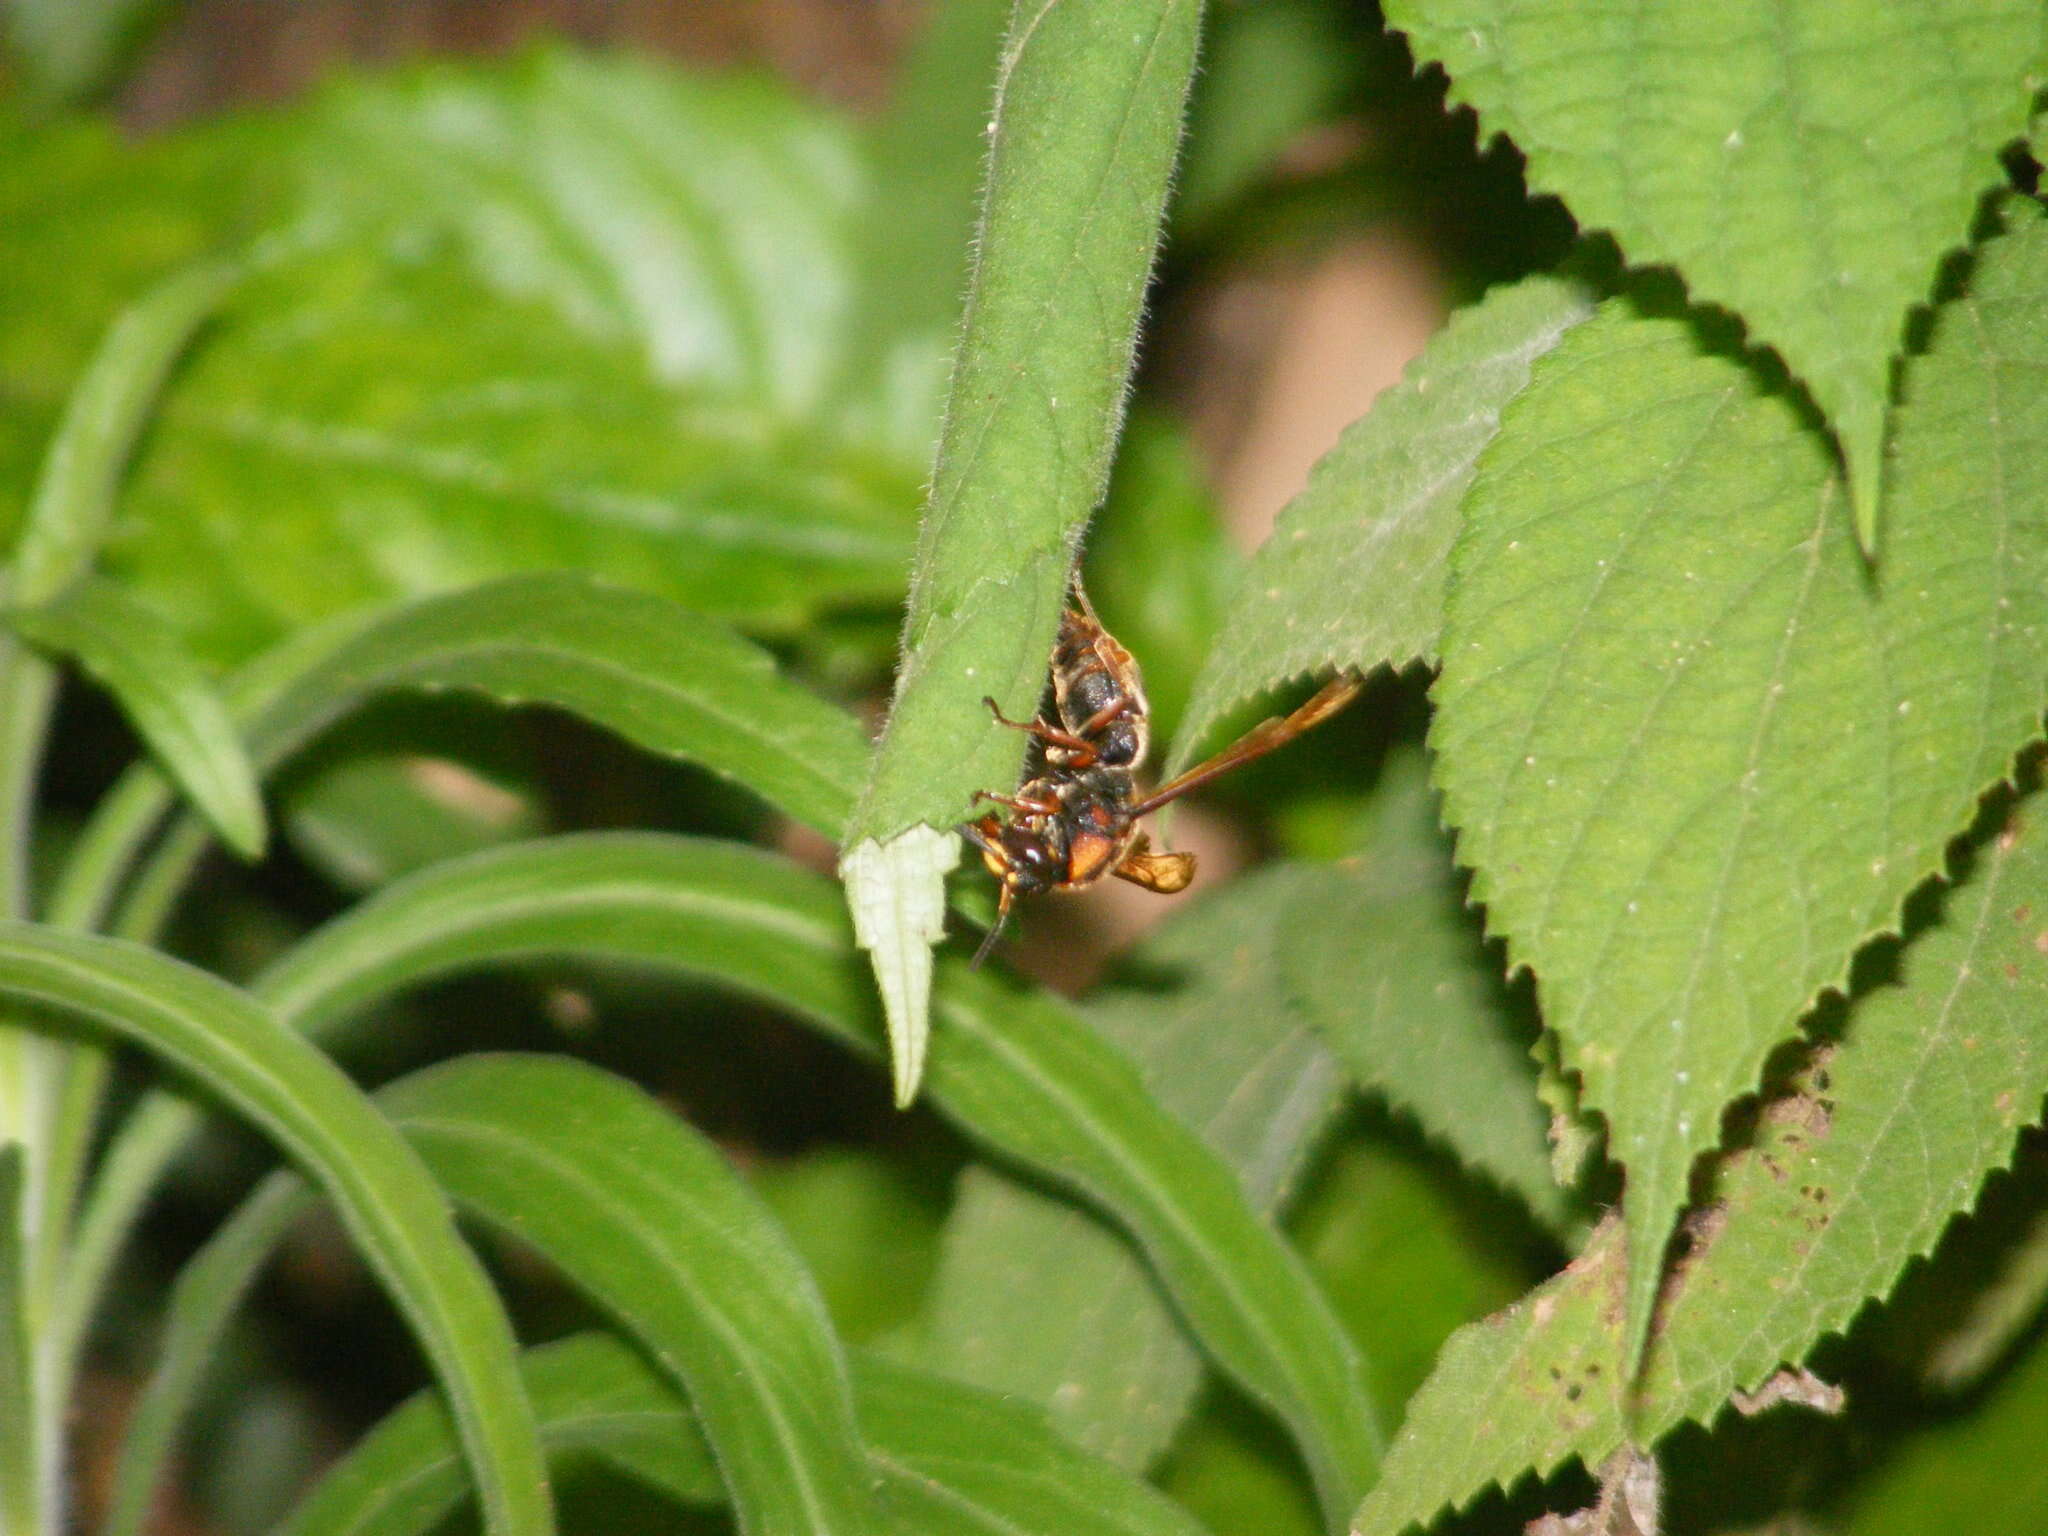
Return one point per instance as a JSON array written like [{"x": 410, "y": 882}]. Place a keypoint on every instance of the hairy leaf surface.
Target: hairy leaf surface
[
  {"x": 1695, "y": 749},
  {"x": 1805, "y": 164},
  {"x": 1881, "y": 1142}
]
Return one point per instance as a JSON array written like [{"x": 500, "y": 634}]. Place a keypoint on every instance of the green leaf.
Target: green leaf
[
  {"x": 1018, "y": 1071},
  {"x": 594, "y": 1396},
  {"x": 950, "y": 1461},
  {"x": 1520, "y": 1391},
  {"x": 1088, "y": 115},
  {"x": 929, "y": 149},
  {"x": 964, "y": 1461},
  {"x": 1353, "y": 574},
  {"x": 1887, "y": 1137},
  {"x": 645, "y": 1217},
  {"x": 1379, "y": 954},
  {"x": 666, "y": 679},
  {"x": 1802, "y": 163},
  {"x": 208, "y": 1030},
  {"x": 20, "y": 1475},
  {"x": 704, "y": 220},
  {"x": 364, "y": 425},
  {"x": 170, "y": 703},
  {"x": 1087, "y": 119},
  {"x": 1693, "y": 770},
  {"x": 957, "y": 1462},
  {"x": 1034, "y": 1298},
  {"x": 553, "y": 311},
  {"x": 103, "y": 417},
  {"x": 1850, "y": 1175}
]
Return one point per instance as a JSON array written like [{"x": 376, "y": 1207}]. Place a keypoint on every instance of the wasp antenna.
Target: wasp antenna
[{"x": 995, "y": 930}]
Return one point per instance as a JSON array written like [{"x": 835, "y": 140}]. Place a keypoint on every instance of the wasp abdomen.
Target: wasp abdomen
[{"x": 1096, "y": 687}]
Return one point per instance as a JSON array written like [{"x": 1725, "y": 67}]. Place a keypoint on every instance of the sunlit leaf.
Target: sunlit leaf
[
  {"x": 363, "y": 426},
  {"x": 1804, "y": 164},
  {"x": 103, "y": 417},
  {"x": 1694, "y": 752}
]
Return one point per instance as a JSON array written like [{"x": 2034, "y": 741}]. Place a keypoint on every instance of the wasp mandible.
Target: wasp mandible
[{"x": 1075, "y": 819}]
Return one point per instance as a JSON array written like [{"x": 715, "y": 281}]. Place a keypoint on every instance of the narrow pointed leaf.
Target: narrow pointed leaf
[
  {"x": 208, "y": 1291},
  {"x": 1034, "y": 1297},
  {"x": 949, "y": 1461},
  {"x": 1694, "y": 753},
  {"x": 206, "y": 1029},
  {"x": 167, "y": 699},
  {"x": 667, "y": 679},
  {"x": 1018, "y": 1071},
  {"x": 104, "y": 416},
  {"x": 959, "y": 1462},
  {"x": 1087, "y": 119},
  {"x": 662, "y": 677},
  {"x": 963, "y": 1461},
  {"x": 1353, "y": 573},
  {"x": 1804, "y": 164},
  {"x": 646, "y": 1218},
  {"x": 595, "y": 1397}
]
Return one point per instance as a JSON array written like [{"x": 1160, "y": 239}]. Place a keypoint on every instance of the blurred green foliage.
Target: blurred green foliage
[{"x": 554, "y": 462}]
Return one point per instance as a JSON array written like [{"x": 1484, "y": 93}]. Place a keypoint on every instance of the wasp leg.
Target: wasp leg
[
  {"x": 995, "y": 930},
  {"x": 1051, "y": 735},
  {"x": 1019, "y": 803},
  {"x": 1116, "y": 708}
]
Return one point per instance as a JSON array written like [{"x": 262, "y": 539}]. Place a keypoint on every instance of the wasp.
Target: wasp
[{"x": 1075, "y": 818}]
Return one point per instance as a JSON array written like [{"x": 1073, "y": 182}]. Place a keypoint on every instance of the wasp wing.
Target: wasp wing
[
  {"x": 1257, "y": 742},
  {"x": 1165, "y": 873}
]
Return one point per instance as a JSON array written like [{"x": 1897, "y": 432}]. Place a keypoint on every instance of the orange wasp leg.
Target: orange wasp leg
[{"x": 1052, "y": 735}]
